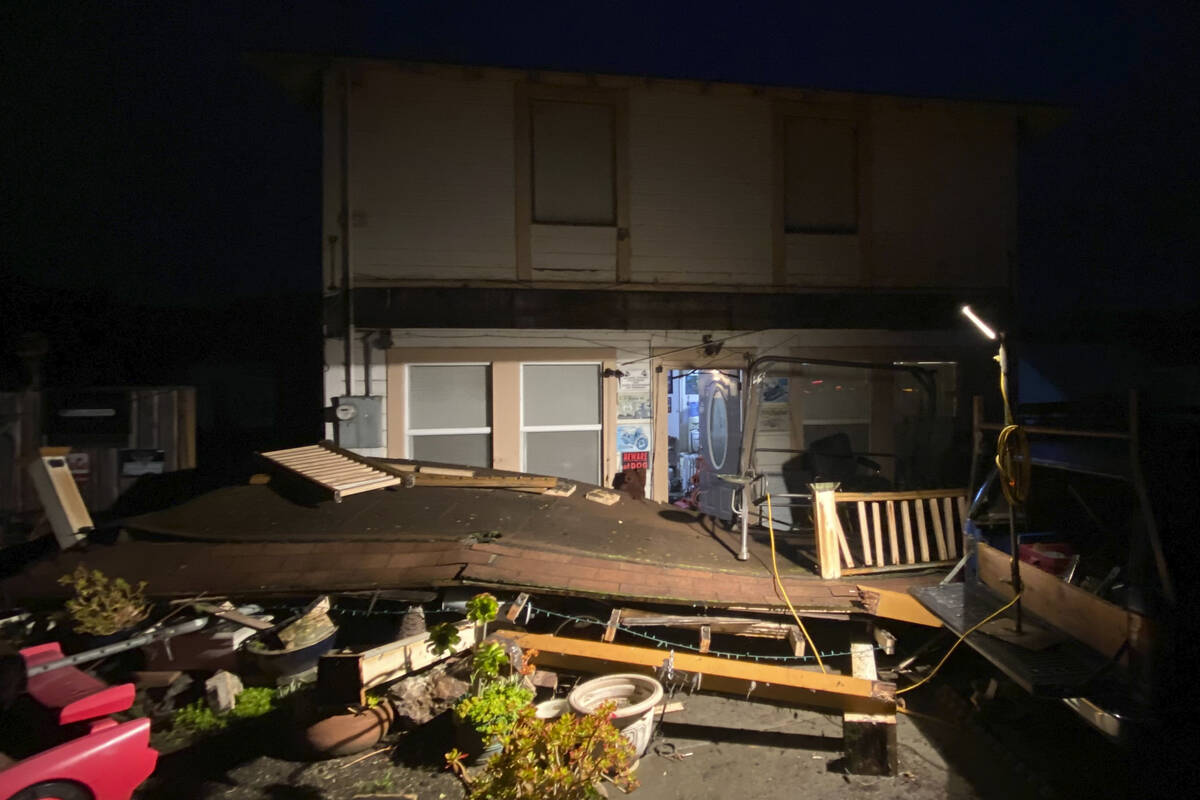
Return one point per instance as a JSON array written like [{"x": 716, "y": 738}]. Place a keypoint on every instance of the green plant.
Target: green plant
[
  {"x": 443, "y": 637},
  {"x": 482, "y": 609},
  {"x": 494, "y": 708},
  {"x": 198, "y": 717},
  {"x": 563, "y": 759},
  {"x": 487, "y": 662},
  {"x": 104, "y": 605}
]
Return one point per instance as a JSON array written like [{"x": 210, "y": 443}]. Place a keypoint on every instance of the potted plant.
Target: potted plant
[
  {"x": 497, "y": 694},
  {"x": 562, "y": 759},
  {"x": 104, "y": 608}
]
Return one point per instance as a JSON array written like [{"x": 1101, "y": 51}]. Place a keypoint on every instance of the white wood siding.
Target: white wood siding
[
  {"x": 432, "y": 177},
  {"x": 434, "y": 190},
  {"x": 700, "y": 175}
]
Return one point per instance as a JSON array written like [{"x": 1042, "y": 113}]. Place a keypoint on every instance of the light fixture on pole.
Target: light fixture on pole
[{"x": 1012, "y": 458}]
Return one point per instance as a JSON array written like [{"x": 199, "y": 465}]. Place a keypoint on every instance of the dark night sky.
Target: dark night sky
[{"x": 148, "y": 161}]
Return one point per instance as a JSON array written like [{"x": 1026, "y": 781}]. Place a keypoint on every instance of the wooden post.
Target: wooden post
[
  {"x": 614, "y": 619},
  {"x": 705, "y": 638},
  {"x": 869, "y": 740}
]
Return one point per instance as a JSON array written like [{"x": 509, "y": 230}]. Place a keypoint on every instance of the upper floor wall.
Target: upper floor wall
[{"x": 478, "y": 177}]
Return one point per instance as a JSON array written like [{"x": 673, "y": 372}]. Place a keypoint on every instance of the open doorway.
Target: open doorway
[{"x": 704, "y": 432}]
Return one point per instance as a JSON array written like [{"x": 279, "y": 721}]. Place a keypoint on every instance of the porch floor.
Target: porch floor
[{"x": 280, "y": 538}]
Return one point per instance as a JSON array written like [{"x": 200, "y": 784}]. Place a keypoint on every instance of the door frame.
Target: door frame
[{"x": 660, "y": 367}]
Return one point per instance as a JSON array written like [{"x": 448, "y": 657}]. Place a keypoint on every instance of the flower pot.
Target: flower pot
[
  {"x": 346, "y": 734},
  {"x": 635, "y": 696}
]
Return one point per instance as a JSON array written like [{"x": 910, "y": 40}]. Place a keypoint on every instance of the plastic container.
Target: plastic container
[{"x": 635, "y": 696}]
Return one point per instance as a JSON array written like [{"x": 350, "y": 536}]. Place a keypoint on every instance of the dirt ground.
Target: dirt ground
[{"x": 770, "y": 751}]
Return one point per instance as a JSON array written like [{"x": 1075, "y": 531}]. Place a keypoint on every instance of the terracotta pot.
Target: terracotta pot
[{"x": 346, "y": 734}]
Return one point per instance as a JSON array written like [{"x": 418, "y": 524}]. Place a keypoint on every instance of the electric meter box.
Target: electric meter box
[{"x": 359, "y": 421}]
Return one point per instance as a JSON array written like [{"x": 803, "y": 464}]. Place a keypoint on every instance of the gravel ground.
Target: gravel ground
[{"x": 724, "y": 748}]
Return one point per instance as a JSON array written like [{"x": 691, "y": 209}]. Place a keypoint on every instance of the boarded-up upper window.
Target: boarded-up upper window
[
  {"x": 820, "y": 164},
  {"x": 573, "y": 163}
]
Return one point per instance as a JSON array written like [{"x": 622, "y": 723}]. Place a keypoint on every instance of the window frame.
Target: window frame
[
  {"x": 858, "y": 112},
  {"x": 597, "y": 428},
  {"x": 525, "y": 93},
  {"x": 533, "y": 158}
]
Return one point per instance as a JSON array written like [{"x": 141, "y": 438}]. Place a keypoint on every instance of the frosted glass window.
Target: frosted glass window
[
  {"x": 561, "y": 394},
  {"x": 471, "y": 449},
  {"x": 573, "y": 163},
  {"x": 448, "y": 396},
  {"x": 564, "y": 454},
  {"x": 821, "y": 175}
]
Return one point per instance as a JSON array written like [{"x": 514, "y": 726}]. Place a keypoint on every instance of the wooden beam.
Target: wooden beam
[
  {"x": 869, "y": 740},
  {"x": 1099, "y": 624},
  {"x": 724, "y": 675},
  {"x": 796, "y": 639},
  {"x": 896, "y": 605}
]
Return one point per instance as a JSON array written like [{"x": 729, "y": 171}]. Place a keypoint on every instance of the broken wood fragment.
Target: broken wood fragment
[
  {"x": 705, "y": 638},
  {"x": 516, "y": 607},
  {"x": 896, "y": 605},
  {"x": 603, "y": 497},
  {"x": 343, "y": 678},
  {"x": 795, "y": 638},
  {"x": 886, "y": 641}
]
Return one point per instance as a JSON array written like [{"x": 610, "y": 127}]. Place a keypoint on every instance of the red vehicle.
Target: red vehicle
[{"x": 107, "y": 763}]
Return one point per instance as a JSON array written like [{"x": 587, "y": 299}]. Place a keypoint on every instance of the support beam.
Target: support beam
[
  {"x": 869, "y": 740},
  {"x": 727, "y": 676},
  {"x": 896, "y": 605}
]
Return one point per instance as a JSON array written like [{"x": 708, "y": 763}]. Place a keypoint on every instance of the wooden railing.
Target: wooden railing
[{"x": 891, "y": 530}]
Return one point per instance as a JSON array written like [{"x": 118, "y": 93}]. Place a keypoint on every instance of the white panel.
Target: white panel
[
  {"x": 564, "y": 454},
  {"x": 573, "y": 252},
  {"x": 448, "y": 396},
  {"x": 820, "y": 193},
  {"x": 700, "y": 182},
  {"x": 560, "y": 394},
  {"x": 573, "y": 163}
]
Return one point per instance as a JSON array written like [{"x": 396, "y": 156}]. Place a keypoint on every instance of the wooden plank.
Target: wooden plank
[
  {"x": 723, "y": 675},
  {"x": 447, "y": 471},
  {"x": 614, "y": 619},
  {"x": 938, "y": 539},
  {"x": 343, "y": 678},
  {"x": 909, "y": 553},
  {"x": 884, "y": 640},
  {"x": 854, "y": 497},
  {"x": 864, "y": 532},
  {"x": 308, "y": 448},
  {"x": 1099, "y": 624},
  {"x": 878, "y": 533},
  {"x": 840, "y": 534},
  {"x": 948, "y": 516},
  {"x": 796, "y": 639},
  {"x": 896, "y": 605},
  {"x": 919, "y": 507},
  {"x": 868, "y": 740},
  {"x": 827, "y": 549},
  {"x": 892, "y": 540},
  {"x": 705, "y": 638},
  {"x": 482, "y": 481}
]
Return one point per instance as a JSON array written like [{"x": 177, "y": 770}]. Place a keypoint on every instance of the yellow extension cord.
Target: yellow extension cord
[{"x": 783, "y": 592}]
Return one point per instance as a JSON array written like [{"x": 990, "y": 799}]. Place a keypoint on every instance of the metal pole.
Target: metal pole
[
  {"x": 1014, "y": 547},
  {"x": 744, "y": 555}
]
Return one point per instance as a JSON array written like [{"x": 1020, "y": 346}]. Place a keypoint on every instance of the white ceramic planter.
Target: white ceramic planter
[{"x": 635, "y": 696}]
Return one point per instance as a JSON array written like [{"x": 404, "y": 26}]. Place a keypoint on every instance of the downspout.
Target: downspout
[{"x": 347, "y": 272}]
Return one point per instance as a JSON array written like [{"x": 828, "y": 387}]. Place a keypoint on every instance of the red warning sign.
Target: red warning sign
[{"x": 635, "y": 460}]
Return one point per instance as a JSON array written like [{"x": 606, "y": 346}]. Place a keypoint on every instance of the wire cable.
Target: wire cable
[
  {"x": 783, "y": 592},
  {"x": 1012, "y": 451},
  {"x": 954, "y": 646}
]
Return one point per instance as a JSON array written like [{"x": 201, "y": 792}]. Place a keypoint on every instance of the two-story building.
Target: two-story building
[{"x": 551, "y": 272}]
